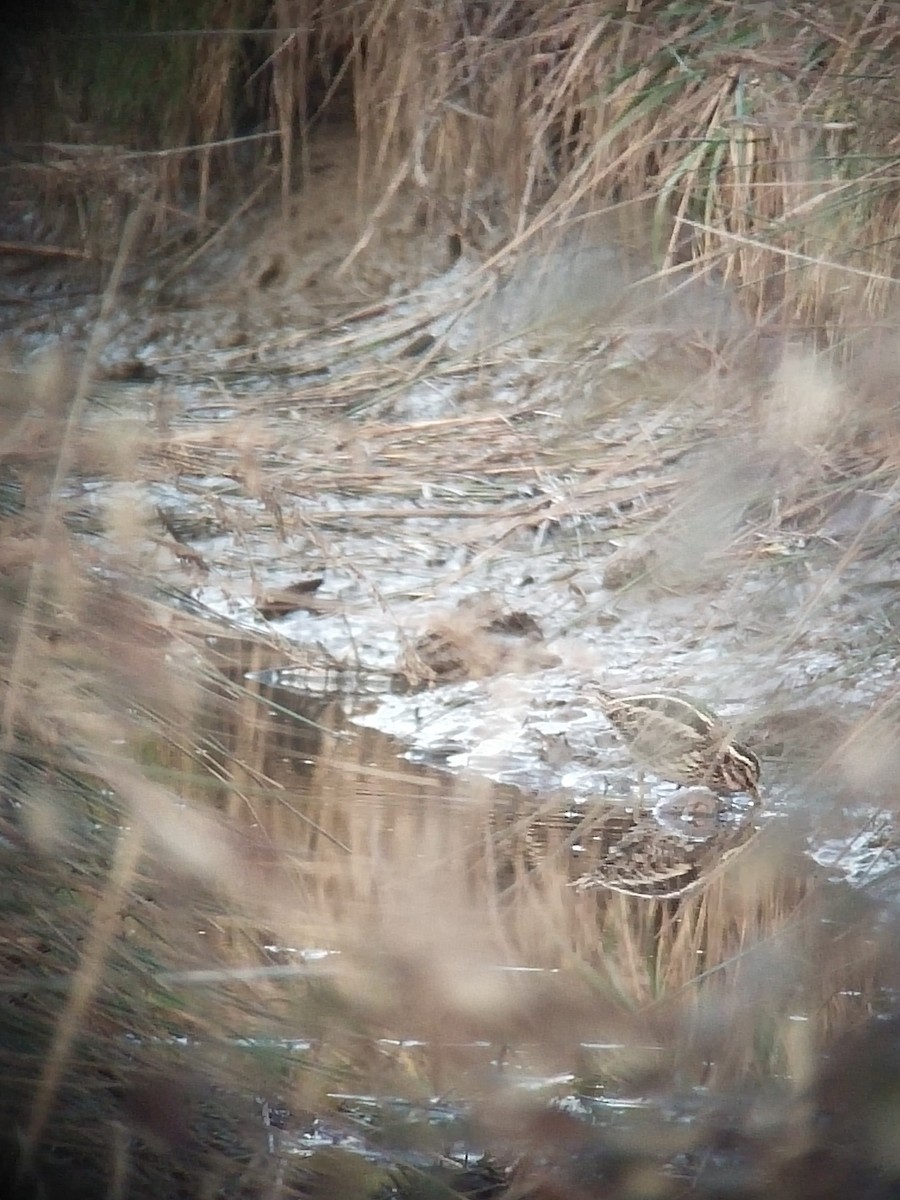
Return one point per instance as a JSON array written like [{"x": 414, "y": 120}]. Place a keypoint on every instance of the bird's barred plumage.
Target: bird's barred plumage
[{"x": 679, "y": 739}]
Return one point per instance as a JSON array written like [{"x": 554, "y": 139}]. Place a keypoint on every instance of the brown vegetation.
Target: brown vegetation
[{"x": 685, "y": 212}]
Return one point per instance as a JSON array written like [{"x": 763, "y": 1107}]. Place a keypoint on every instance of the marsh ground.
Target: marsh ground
[{"x": 345, "y": 521}]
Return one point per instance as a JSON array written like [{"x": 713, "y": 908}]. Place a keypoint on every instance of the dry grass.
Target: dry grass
[
  {"x": 761, "y": 150},
  {"x": 157, "y": 793},
  {"x": 172, "y": 828},
  {"x": 151, "y": 877}
]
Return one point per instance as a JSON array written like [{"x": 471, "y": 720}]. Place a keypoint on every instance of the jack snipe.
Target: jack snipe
[{"x": 683, "y": 741}]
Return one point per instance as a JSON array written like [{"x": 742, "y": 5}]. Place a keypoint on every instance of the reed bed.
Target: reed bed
[
  {"x": 220, "y": 903},
  {"x": 760, "y": 147}
]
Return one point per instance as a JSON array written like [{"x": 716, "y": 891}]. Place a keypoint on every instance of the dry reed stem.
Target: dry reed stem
[
  {"x": 85, "y": 982},
  {"x": 24, "y": 645}
]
